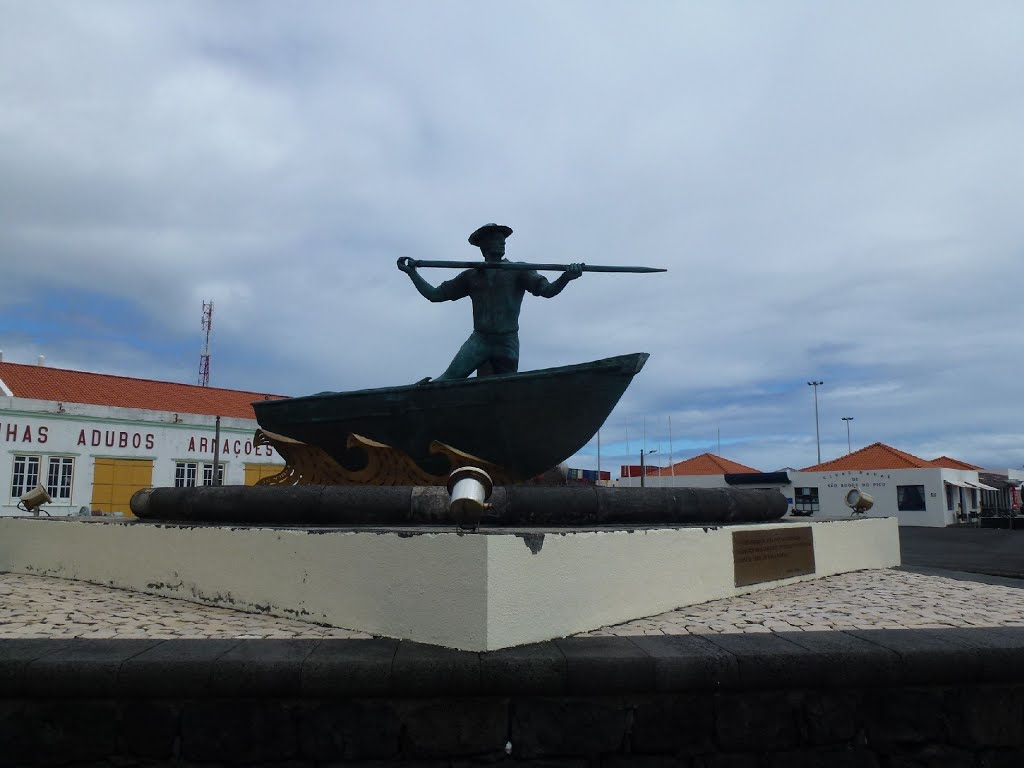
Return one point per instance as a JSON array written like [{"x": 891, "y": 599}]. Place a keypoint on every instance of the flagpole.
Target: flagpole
[
  {"x": 671, "y": 461},
  {"x": 628, "y": 454}
]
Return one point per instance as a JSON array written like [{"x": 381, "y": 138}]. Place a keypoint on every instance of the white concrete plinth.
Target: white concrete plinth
[{"x": 477, "y": 592}]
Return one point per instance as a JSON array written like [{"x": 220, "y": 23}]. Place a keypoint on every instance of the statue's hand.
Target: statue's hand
[
  {"x": 574, "y": 271},
  {"x": 405, "y": 264}
]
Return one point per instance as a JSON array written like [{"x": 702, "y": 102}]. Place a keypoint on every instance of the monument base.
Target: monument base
[{"x": 476, "y": 591}]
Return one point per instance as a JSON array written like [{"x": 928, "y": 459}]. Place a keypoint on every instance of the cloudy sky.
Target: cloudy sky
[{"x": 835, "y": 190}]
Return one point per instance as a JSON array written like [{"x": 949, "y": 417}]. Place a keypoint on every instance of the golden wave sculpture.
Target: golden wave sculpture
[{"x": 309, "y": 465}]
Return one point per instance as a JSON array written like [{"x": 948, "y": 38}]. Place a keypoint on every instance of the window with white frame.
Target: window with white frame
[
  {"x": 187, "y": 472},
  {"x": 55, "y": 473},
  {"x": 59, "y": 473},
  {"x": 26, "y": 475},
  {"x": 208, "y": 474}
]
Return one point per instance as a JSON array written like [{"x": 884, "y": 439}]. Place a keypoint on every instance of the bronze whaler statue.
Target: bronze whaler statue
[{"x": 497, "y": 296}]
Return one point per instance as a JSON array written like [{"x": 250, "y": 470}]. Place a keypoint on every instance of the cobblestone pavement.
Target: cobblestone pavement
[
  {"x": 886, "y": 599},
  {"x": 40, "y": 606},
  {"x": 36, "y": 606}
]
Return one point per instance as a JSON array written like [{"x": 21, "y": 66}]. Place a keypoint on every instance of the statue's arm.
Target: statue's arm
[
  {"x": 446, "y": 291},
  {"x": 539, "y": 285},
  {"x": 427, "y": 291}
]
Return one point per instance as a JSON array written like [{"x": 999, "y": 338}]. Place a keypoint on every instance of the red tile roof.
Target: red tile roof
[
  {"x": 704, "y": 464},
  {"x": 951, "y": 463},
  {"x": 61, "y": 385},
  {"x": 874, "y": 456}
]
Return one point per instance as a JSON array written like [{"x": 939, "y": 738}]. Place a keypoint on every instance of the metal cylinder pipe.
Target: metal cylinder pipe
[{"x": 538, "y": 506}]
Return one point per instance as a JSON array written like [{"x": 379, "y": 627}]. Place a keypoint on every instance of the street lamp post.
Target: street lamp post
[
  {"x": 643, "y": 472},
  {"x": 848, "y": 419},
  {"x": 817, "y": 431}
]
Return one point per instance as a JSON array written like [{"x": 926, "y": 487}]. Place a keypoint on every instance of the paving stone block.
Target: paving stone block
[
  {"x": 83, "y": 667},
  {"x": 994, "y": 656},
  {"x": 349, "y": 668},
  {"x": 419, "y": 669},
  {"x": 831, "y": 716},
  {"x": 924, "y": 655},
  {"x": 906, "y": 716},
  {"x": 372, "y": 729},
  {"x": 567, "y": 726},
  {"x": 262, "y": 668},
  {"x": 822, "y": 758},
  {"x": 17, "y": 654},
  {"x": 644, "y": 761},
  {"x": 149, "y": 729},
  {"x": 238, "y": 730},
  {"x": 990, "y": 716},
  {"x": 57, "y": 731},
  {"x": 689, "y": 662},
  {"x": 1001, "y": 758},
  {"x": 758, "y": 720},
  {"x": 670, "y": 723},
  {"x": 605, "y": 665},
  {"x": 353, "y": 730},
  {"x": 182, "y": 667},
  {"x": 930, "y": 756},
  {"x": 321, "y": 730},
  {"x": 729, "y": 760},
  {"x": 537, "y": 669},
  {"x": 771, "y": 661},
  {"x": 844, "y": 659},
  {"x": 459, "y": 727}
]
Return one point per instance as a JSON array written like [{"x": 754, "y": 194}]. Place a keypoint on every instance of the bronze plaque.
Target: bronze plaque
[{"x": 772, "y": 554}]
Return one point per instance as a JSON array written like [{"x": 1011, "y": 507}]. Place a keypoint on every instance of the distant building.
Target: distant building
[
  {"x": 1002, "y": 495},
  {"x": 708, "y": 471},
  {"x": 92, "y": 440},
  {"x": 587, "y": 477},
  {"x": 917, "y": 491},
  {"x": 635, "y": 470}
]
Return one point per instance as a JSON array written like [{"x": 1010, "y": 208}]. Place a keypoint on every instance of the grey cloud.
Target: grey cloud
[{"x": 834, "y": 192}]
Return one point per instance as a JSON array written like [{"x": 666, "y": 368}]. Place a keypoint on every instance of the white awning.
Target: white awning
[
  {"x": 965, "y": 484},
  {"x": 982, "y": 486}
]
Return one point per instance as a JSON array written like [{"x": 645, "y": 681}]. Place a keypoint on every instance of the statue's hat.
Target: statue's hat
[{"x": 487, "y": 231}]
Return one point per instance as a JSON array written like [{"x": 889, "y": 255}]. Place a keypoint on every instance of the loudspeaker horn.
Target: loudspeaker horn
[{"x": 32, "y": 500}]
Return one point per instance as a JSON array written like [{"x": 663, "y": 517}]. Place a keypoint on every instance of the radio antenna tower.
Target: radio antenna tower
[{"x": 204, "y": 357}]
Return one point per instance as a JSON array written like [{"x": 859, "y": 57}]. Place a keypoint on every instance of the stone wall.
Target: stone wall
[{"x": 872, "y": 698}]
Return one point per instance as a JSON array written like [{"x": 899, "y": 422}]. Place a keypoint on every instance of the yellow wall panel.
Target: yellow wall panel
[
  {"x": 103, "y": 471},
  {"x": 116, "y": 480},
  {"x": 256, "y": 472}
]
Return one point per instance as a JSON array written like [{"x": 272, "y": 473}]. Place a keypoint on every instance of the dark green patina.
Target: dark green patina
[
  {"x": 524, "y": 423},
  {"x": 497, "y": 296}
]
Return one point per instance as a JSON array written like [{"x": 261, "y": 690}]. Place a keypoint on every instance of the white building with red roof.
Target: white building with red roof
[
  {"x": 916, "y": 491},
  {"x": 92, "y": 440},
  {"x": 927, "y": 492},
  {"x": 708, "y": 470}
]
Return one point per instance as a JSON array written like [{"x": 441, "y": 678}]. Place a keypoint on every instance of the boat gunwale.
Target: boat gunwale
[{"x": 603, "y": 366}]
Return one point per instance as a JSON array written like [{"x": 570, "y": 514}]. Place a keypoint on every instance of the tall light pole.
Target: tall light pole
[
  {"x": 848, "y": 419},
  {"x": 643, "y": 472},
  {"x": 817, "y": 432}
]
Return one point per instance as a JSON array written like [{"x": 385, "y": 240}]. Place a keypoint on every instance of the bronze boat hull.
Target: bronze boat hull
[{"x": 525, "y": 423}]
